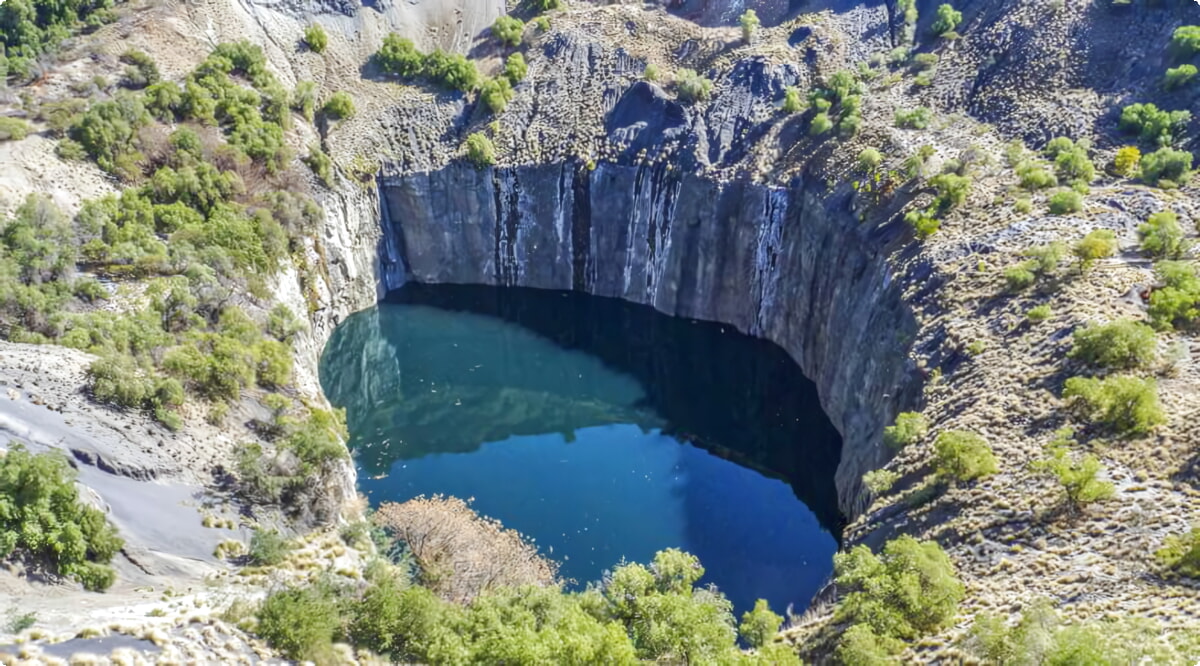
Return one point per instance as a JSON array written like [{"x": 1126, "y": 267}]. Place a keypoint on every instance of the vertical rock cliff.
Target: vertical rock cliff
[{"x": 791, "y": 264}]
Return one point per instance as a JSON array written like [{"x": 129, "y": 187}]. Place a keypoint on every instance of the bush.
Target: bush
[
  {"x": 13, "y": 129},
  {"x": 923, "y": 224},
  {"x": 749, "y": 22},
  {"x": 1098, "y": 244},
  {"x": 1175, "y": 303},
  {"x": 268, "y": 548},
  {"x": 963, "y": 455},
  {"x": 515, "y": 68},
  {"x": 1181, "y": 554},
  {"x": 300, "y": 622},
  {"x": 861, "y": 646},
  {"x": 880, "y": 481},
  {"x": 1077, "y": 477},
  {"x": 1039, "y": 313},
  {"x": 118, "y": 381},
  {"x": 142, "y": 70},
  {"x": 1180, "y": 76},
  {"x": 1186, "y": 40},
  {"x": 952, "y": 190},
  {"x": 1072, "y": 163},
  {"x": 759, "y": 626},
  {"x": 320, "y": 164},
  {"x": 1019, "y": 278},
  {"x": 1153, "y": 124},
  {"x": 947, "y": 19},
  {"x": 1165, "y": 165},
  {"x": 918, "y": 118},
  {"x": 821, "y": 123},
  {"x": 692, "y": 87},
  {"x": 1162, "y": 237},
  {"x": 1126, "y": 405},
  {"x": 339, "y": 106},
  {"x": 315, "y": 37},
  {"x": 455, "y": 72},
  {"x": 496, "y": 94},
  {"x": 924, "y": 62},
  {"x": 910, "y": 428},
  {"x": 909, "y": 590},
  {"x": 41, "y": 514},
  {"x": 399, "y": 56},
  {"x": 508, "y": 29},
  {"x": 480, "y": 150},
  {"x": 651, "y": 72},
  {"x": 1065, "y": 202},
  {"x": 1126, "y": 162},
  {"x": 1034, "y": 176},
  {"x": 793, "y": 101},
  {"x": 1120, "y": 345}
]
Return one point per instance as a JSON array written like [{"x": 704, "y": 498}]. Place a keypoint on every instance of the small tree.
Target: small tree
[
  {"x": 315, "y": 37},
  {"x": 910, "y": 428},
  {"x": 508, "y": 29},
  {"x": 496, "y": 94},
  {"x": 339, "y": 106},
  {"x": 1098, "y": 244},
  {"x": 1065, "y": 202},
  {"x": 760, "y": 625},
  {"x": 398, "y": 55},
  {"x": 963, "y": 456},
  {"x": 515, "y": 68},
  {"x": 1186, "y": 40},
  {"x": 947, "y": 20},
  {"x": 749, "y": 22},
  {"x": 1078, "y": 477},
  {"x": 793, "y": 100},
  {"x": 1166, "y": 167},
  {"x": 692, "y": 87},
  {"x": 1126, "y": 405},
  {"x": 821, "y": 124},
  {"x": 1120, "y": 345},
  {"x": 480, "y": 150},
  {"x": 1162, "y": 237}
]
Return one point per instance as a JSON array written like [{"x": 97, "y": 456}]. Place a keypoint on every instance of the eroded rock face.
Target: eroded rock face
[{"x": 791, "y": 264}]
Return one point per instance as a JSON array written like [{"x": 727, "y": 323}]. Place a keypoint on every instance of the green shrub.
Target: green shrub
[
  {"x": 963, "y": 456},
  {"x": 749, "y": 22},
  {"x": 692, "y": 87},
  {"x": 1162, "y": 237},
  {"x": 1078, "y": 477},
  {"x": 1019, "y": 278},
  {"x": 1175, "y": 304},
  {"x": 13, "y": 129},
  {"x": 41, "y": 514},
  {"x": 821, "y": 123},
  {"x": 274, "y": 364},
  {"x": 508, "y": 29},
  {"x": 141, "y": 72},
  {"x": 300, "y": 622},
  {"x": 1098, "y": 244},
  {"x": 1039, "y": 313},
  {"x": 1186, "y": 40},
  {"x": 496, "y": 94},
  {"x": 918, "y": 118},
  {"x": 320, "y": 164},
  {"x": 924, "y": 62},
  {"x": 1120, "y": 345},
  {"x": 1178, "y": 77},
  {"x": 952, "y": 190},
  {"x": 923, "y": 224},
  {"x": 759, "y": 626},
  {"x": 268, "y": 548},
  {"x": 909, "y": 590},
  {"x": 1071, "y": 161},
  {"x": 1126, "y": 161},
  {"x": 315, "y": 37},
  {"x": 480, "y": 150},
  {"x": 454, "y": 71},
  {"x": 1034, "y": 176},
  {"x": 1126, "y": 405},
  {"x": 1065, "y": 202},
  {"x": 861, "y": 646},
  {"x": 339, "y": 106},
  {"x": 880, "y": 481},
  {"x": 1181, "y": 554},
  {"x": 793, "y": 101},
  {"x": 909, "y": 428},
  {"x": 515, "y": 68},
  {"x": 869, "y": 159},
  {"x": 1154, "y": 125},
  {"x": 1165, "y": 166},
  {"x": 651, "y": 73},
  {"x": 947, "y": 20},
  {"x": 399, "y": 56},
  {"x": 118, "y": 381}
]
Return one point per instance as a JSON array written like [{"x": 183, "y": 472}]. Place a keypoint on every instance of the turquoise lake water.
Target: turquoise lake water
[{"x": 600, "y": 429}]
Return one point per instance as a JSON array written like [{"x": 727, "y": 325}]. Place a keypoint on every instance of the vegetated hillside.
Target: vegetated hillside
[{"x": 1053, "y": 456}]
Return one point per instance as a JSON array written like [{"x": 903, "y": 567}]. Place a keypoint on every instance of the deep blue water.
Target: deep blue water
[{"x": 600, "y": 429}]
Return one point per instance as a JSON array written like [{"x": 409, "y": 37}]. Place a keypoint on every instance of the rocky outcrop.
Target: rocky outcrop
[{"x": 790, "y": 264}]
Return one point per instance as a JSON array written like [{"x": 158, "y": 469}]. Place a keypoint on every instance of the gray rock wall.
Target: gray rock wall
[{"x": 792, "y": 265}]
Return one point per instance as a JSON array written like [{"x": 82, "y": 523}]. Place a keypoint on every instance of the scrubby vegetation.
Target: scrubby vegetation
[
  {"x": 315, "y": 38},
  {"x": 480, "y": 150},
  {"x": 1128, "y": 406},
  {"x": 30, "y": 29},
  {"x": 910, "y": 428},
  {"x": 41, "y": 515},
  {"x": 963, "y": 456},
  {"x": 1181, "y": 554},
  {"x": 1097, "y": 245},
  {"x": 399, "y": 56},
  {"x": 508, "y": 29},
  {"x": 1154, "y": 125},
  {"x": 946, "y": 21},
  {"x": 1120, "y": 345},
  {"x": 1078, "y": 476},
  {"x": 692, "y": 87}
]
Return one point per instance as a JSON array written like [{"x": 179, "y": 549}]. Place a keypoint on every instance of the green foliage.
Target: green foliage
[
  {"x": 1153, "y": 125},
  {"x": 922, "y": 223},
  {"x": 947, "y": 20},
  {"x": 1162, "y": 237},
  {"x": 749, "y": 22},
  {"x": 821, "y": 124},
  {"x": 320, "y": 164},
  {"x": 1098, "y": 244},
  {"x": 869, "y": 159},
  {"x": 453, "y": 71},
  {"x": 1177, "y": 302},
  {"x": 480, "y": 150},
  {"x": 268, "y": 548},
  {"x": 515, "y": 68},
  {"x": 1186, "y": 40},
  {"x": 1078, "y": 476},
  {"x": 1033, "y": 176},
  {"x": 1039, "y": 313},
  {"x": 13, "y": 129},
  {"x": 304, "y": 99},
  {"x": 861, "y": 646},
  {"x": 496, "y": 94},
  {"x": 547, "y": 5},
  {"x": 793, "y": 101},
  {"x": 142, "y": 70},
  {"x": 1166, "y": 167},
  {"x": 108, "y": 133},
  {"x": 315, "y": 37},
  {"x": 952, "y": 190},
  {"x": 1181, "y": 554},
  {"x": 963, "y": 456},
  {"x": 759, "y": 626},
  {"x": 909, "y": 590},
  {"x": 651, "y": 72},
  {"x": 1126, "y": 405},
  {"x": 508, "y": 29},
  {"x": 692, "y": 87},
  {"x": 1071, "y": 160},
  {"x": 1065, "y": 202},
  {"x": 1178, "y": 77},
  {"x": 918, "y": 118},
  {"x": 1126, "y": 161},
  {"x": 399, "y": 56},
  {"x": 31, "y": 28},
  {"x": 300, "y": 622},
  {"x": 910, "y": 428},
  {"x": 879, "y": 481},
  {"x": 1120, "y": 345},
  {"x": 339, "y": 106},
  {"x": 41, "y": 514}
]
